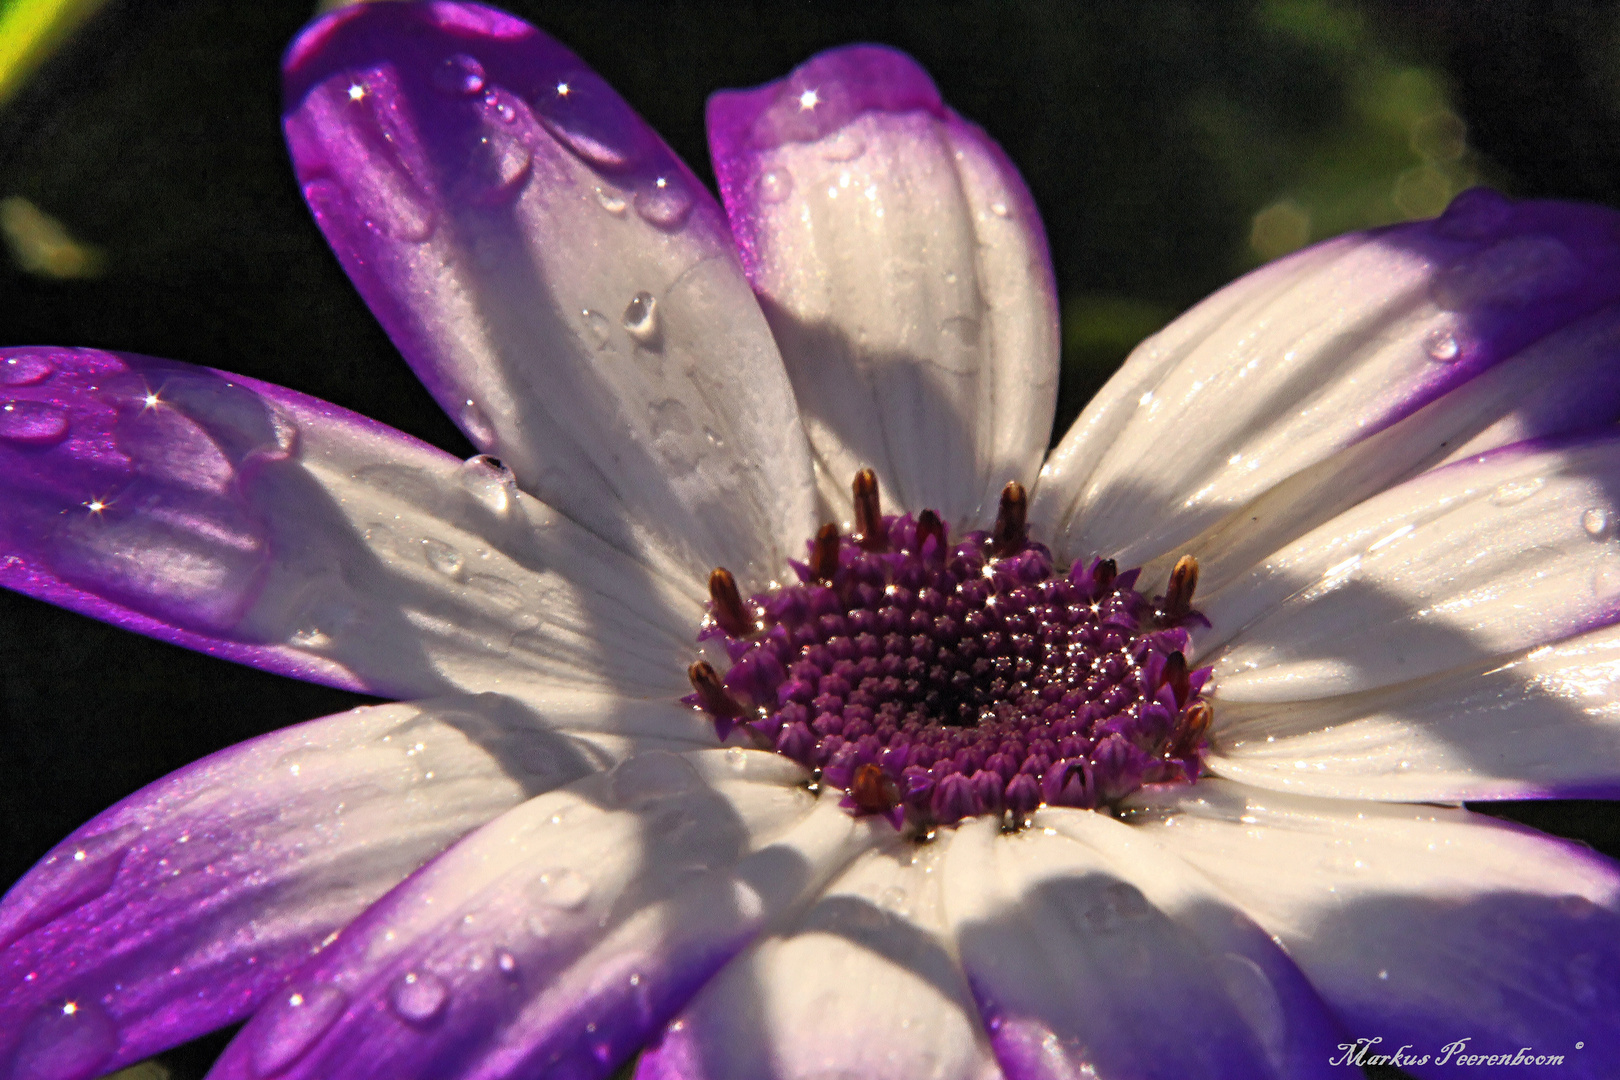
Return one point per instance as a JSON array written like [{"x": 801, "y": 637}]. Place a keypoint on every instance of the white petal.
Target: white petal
[
  {"x": 1481, "y": 559},
  {"x": 1543, "y": 724},
  {"x": 1418, "y": 924},
  {"x": 862, "y": 983},
  {"x": 903, "y": 270},
  {"x": 1088, "y": 947}
]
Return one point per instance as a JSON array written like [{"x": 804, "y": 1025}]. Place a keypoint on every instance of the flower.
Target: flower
[{"x": 1391, "y": 456}]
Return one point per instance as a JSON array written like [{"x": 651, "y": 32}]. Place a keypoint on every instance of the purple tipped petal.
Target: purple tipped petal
[
  {"x": 264, "y": 526},
  {"x": 904, "y": 270},
  {"x": 1481, "y": 559},
  {"x": 862, "y": 983},
  {"x": 563, "y": 285},
  {"x": 560, "y": 937},
  {"x": 1090, "y": 950},
  {"x": 1314, "y": 354},
  {"x": 1420, "y": 924},
  {"x": 178, "y": 910}
]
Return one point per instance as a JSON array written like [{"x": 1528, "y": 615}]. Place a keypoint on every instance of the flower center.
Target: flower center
[{"x": 936, "y": 681}]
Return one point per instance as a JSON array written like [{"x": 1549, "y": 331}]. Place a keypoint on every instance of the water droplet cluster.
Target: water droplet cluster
[{"x": 938, "y": 681}]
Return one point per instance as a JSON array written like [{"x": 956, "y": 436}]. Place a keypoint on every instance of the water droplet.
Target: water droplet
[
  {"x": 774, "y": 185},
  {"x": 641, "y": 320},
  {"x": 1595, "y": 520},
  {"x": 672, "y": 434},
  {"x": 459, "y": 74},
  {"x": 476, "y": 424},
  {"x": 418, "y": 996},
  {"x": 611, "y": 201},
  {"x": 25, "y": 369},
  {"x": 586, "y": 117},
  {"x": 506, "y": 962},
  {"x": 893, "y": 898},
  {"x": 290, "y": 1024},
  {"x": 665, "y": 203},
  {"x": 598, "y": 329},
  {"x": 443, "y": 558},
  {"x": 33, "y": 423},
  {"x": 737, "y": 759},
  {"x": 1516, "y": 271},
  {"x": 999, "y": 209},
  {"x": 502, "y": 107},
  {"x": 500, "y": 169},
  {"x": 77, "y": 875},
  {"x": 846, "y": 145},
  {"x": 713, "y": 436},
  {"x": 66, "y": 1040},
  {"x": 1517, "y": 491},
  {"x": 653, "y": 776},
  {"x": 563, "y": 888},
  {"x": 310, "y": 637},
  {"x": 490, "y": 482},
  {"x": 1442, "y": 345}
]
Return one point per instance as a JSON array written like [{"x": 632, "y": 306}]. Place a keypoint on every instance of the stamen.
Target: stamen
[
  {"x": 711, "y": 692},
  {"x": 1012, "y": 529},
  {"x": 1179, "y": 593},
  {"x": 1175, "y": 676},
  {"x": 1107, "y": 570},
  {"x": 873, "y": 792},
  {"x": 1191, "y": 730},
  {"x": 729, "y": 613},
  {"x": 928, "y": 524},
  {"x": 824, "y": 559},
  {"x": 869, "y": 531}
]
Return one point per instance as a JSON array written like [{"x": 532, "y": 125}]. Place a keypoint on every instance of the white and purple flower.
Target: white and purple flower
[{"x": 1079, "y": 829}]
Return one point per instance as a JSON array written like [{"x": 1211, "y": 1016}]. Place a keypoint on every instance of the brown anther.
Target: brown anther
[
  {"x": 1175, "y": 676},
  {"x": 711, "y": 692},
  {"x": 928, "y": 524},
  {"x": 1107, "y": 570},
  {"x": 728, "y": 611},
  {"x": 824, "y": 556},
  {"x": 1179, "y": 593},
  {"x": 869, "y": 531},
  {"x": 873, "y": 791},
  {"x": 1012, "y": 521},
  {"x": 1190, "y": 731}
]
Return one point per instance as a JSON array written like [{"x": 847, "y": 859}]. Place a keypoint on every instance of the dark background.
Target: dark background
[{"x": 1170, "y": 146}]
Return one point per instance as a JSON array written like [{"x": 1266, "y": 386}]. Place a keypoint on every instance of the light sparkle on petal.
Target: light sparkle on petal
[
  {"x": 809, "y": 100},
  {"x": 356, "y": 91}
]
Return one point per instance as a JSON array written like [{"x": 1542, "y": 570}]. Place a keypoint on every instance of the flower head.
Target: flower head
[{"x": 1126, "y": 764}]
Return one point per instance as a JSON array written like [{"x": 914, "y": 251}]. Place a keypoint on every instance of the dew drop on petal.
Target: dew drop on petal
[
  {"x": 664, "y": 203},
  {"x": 611, "y": 201},
  {"x": 1442, "y": 345},
  {"x": 846, "y": 145},
  {"x": 476, "y": 424},
  {"x": 774, "y": 185},
  {"x": 73, "y": 878},
  {"x": 33, "y": 423},
  {"x": 1595, "y": 522},
  {"x": 290, "y": 1024},
  {"x": 999, "y": 209},
  {"x": 459, "y": 74},
  {"x": 597, "y": 328},
  {"x": 650, "y": 777},
  {"x": 25, "y": 369},
  {"x": 66, "y": 1040},
  {"x": 489, "y": 481},
  {"x": 502, "y": 107},
  {"x": 563, "y": 888},
  {"x": 641, "y": 319},
  {"x": 506, "y": 962},
  {"x": 443, "y": 558},
  {"x": 1517, "y": 491},
  {"x": 737, "y": 759},
  {"x": 418, "y": 996}
]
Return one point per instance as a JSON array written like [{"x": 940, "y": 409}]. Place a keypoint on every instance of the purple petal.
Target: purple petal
[
  {"x": 1303, "y": 359},
  {"x": 178, "y": 910},
  {"x": 1090, "y": 949},
  {"x": 264, "y": 526},
  {"x": 563, "y": 285},
  {"x": 904, "y": 270},
  {"x": 1419, "y": 924},
  {"x": 559, "y": 937}
]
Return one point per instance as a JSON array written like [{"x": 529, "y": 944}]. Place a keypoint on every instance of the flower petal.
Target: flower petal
[
  {"x": 178, "y": 910},
  {"x": 862, "y": 983},
  {"x": 1419, "y": 925},
  {"x": 261, "y": 525},
  {"x": 1480, "y": 559},
  {"x": 1313, "y": 354},
  {"x": 560, "y": 281},
  {"x": 904, "y": 271},
  {"x": 1088, "y": 948},
  {"x": 559, "y": 937},
  {"x": 1544, "y": 724}
]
